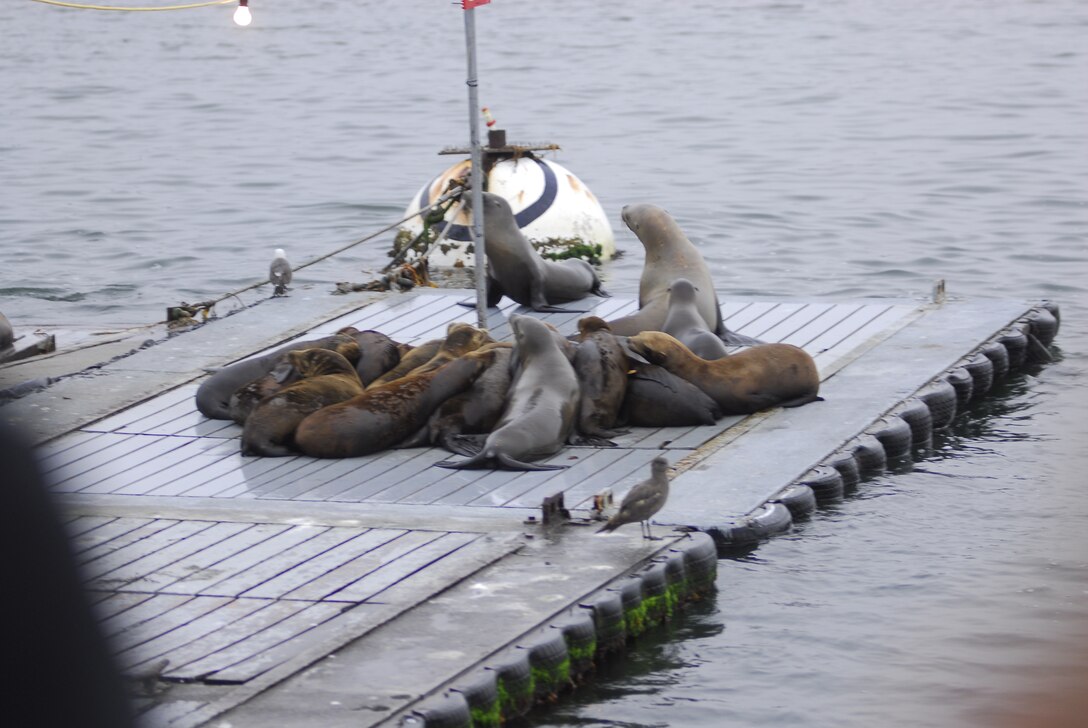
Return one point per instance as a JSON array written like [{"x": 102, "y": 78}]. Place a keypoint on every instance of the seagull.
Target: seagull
[
  {"x": 279, "y": 273},
  {"x": 643, "y": 500}
]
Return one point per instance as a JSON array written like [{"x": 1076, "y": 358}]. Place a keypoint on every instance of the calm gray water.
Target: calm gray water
[{"x": 819, "y": 149}]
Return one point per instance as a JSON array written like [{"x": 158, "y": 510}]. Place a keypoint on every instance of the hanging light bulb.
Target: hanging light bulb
[{"x": 242, "y": 16}]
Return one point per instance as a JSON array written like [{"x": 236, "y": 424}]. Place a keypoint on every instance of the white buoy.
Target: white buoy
[{"x": 550, "y": 204}]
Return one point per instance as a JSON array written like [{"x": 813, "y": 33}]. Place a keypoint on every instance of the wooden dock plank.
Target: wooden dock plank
[
  {"x": 137, "y": 551},
  {"x": 336, "y": 584},
  {"x": 180, "y": 470},
  {"x": 141, "y": 612},
  {"x": 401, "y": 564},
  {"x": 323, "y": 564},
  {"x": 256, "y": 653},
  {"x": 631, "y": 467},
  {"x": 81, "y": 471},
  {"x": 225, "y": 577},
  {"x": 147, "y": 409},
  {"x": 107, "y": 532},
  {"x": 79, "y": 526},
  {"x": 164, "y": 622},
  {"x": 117, "y": 602},
  {"x": 197, "y": 659},
  {"x": 253, "y": 577},
  {"x": 502, "y": 491},
  {"x": 123, "y": 540}
]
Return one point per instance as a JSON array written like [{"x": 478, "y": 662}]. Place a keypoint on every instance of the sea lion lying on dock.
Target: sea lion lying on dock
[
  {"x": 385, "y": 414},
  {"x": 324, "y": 378},
  {"x": 769, "y": 375},
  {"x": 542, "y": 405}
]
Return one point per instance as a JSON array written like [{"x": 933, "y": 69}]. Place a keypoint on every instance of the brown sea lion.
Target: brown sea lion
[
  {"x": 682, "y": 320},
  {"x": 769, "y": 375},
  {"x": 325, "y": 378},
  {"x": 516, "y": 270},
  {"x": 658, "y": 398},
  {"x": 602, "y": 368},
  {"x": 461, "y": 338},
  {"x": 385, "y": 414},
  {"x": 246, "y": 399},
  {"x": 417, "y": 356},
  {"x": 213, "y": 395},
  {"x": 541, "y": 409},
  {"x": 669, "y": 256}
]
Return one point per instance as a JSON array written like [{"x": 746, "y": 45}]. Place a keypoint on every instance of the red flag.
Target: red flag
[{"x": 470, "y": 4}]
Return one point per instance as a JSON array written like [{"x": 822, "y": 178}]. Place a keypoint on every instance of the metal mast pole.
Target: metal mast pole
[{"x": 477, "y": 176}]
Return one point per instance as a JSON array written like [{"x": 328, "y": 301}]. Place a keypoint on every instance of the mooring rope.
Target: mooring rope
[{"x": 206, "y": 306}]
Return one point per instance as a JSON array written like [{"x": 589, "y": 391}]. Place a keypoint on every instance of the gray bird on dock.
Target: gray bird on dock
[
  {"x": 643, "y": 500},
  {"x": 279, "y": 273}
]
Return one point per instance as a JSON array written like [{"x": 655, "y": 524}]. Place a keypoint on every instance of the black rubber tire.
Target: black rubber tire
[
  {"x": 701, "y": 562},
  {"x": 655, "y": 594},
  {"x": 894, "y": 434},
  {"x": 998, "y": 356},
  {"x": 981, "y": 369},
  {"x": 1015, "y": 342},
  {"x": 799, "y": 499},
  {"x": 481, "y": 691},
  {"x": 870, "y": 455},
  {"x": 963, "y": 383},
  {"x": 513, "y": 670},
  {"x": 771, "y": 519},
  {"x": 1044, "y": 325},
  {"x": 449, "y": 711},
  {"x": 550, "y": 661},
  {"x": 826, "y": 484},
  {"x": 580, "y": 634},
  {"x": 607, "y": 609},
  {"x": 916, "y": 413},
  {"x": 942, "y": 400},
  {"x": 847, "y": 465},
  {"x": 1052, "y": 308}
]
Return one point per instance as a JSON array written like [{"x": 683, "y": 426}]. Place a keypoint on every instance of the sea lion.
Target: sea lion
[
  {"x": 658, "y": 398},
  {"x": 378, "y": 355},
  {"x": 246, "y": 399},
  {"x": 769, "y": 375},
  {"x": 475, "y": 411},
  {"x": 325, "y": 378},
  {"x": 461, "y": 338},
  {"x": 411, "y": 358},
  {"x": 643, "y": 500},
  {"x": 669, "y": 256},
  {"x": 385, "y": 414},
  {"x": 213, "y": 395},
  {"x": 542, "y": 406},
  {"x": 602, "y": 368},
  {"x": 516, "y": 270},
  {"x": 682, "y": 320}
]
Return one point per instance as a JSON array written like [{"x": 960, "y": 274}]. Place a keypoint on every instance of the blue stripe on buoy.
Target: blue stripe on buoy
[{"x": 526, "y": 217}]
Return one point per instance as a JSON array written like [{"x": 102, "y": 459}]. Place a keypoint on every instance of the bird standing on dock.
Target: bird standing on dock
[
  {"x": 279, "y": 273},
  {"x": 643, "y": 500}
]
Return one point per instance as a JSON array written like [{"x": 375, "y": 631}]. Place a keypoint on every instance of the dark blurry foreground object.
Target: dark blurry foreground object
[{"x": 58, "y": 668}]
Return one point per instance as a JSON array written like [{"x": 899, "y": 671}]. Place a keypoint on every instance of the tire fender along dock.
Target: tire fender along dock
[{"x": 383, "y": 590}]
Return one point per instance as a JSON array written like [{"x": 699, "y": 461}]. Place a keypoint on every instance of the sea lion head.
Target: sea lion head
[
  {"x": 316, "y": 362},
  {"x": 653, "y": 225},
  {"x": 682, "y": 291},
  {"x": 655, "y": 347},
  {"x": 530, "y": 334},
  {"x": 462, "y": 338},
  {"x": 591, "y": 324}
]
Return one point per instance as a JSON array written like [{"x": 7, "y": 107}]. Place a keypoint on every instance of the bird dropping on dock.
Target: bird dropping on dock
[
  {"x": 279, "y": 273},
  {"x": 644, "y": 499}
]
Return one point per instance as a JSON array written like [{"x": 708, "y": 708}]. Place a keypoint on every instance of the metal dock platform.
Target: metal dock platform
[{"x": 382, "y": 590}]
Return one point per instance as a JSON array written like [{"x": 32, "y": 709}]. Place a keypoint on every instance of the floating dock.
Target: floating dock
[{"x": 381, "y": 590}]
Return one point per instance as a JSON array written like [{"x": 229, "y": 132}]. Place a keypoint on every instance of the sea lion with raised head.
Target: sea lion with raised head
[
  {"x": 541, "y": 408},
  {"x": 764, "y": 376},
  {"x": 378, "y": 353},
  {"x": 214, "y": 393},
  {"x": 602, "y": 368},
  {"x": 669, "y": 257},
  {"x": 324, "y": 378},
  {"x": 410, "y": 358},
  {"x": 682, "y": 321},
  {"x": 516, "y": 270}
]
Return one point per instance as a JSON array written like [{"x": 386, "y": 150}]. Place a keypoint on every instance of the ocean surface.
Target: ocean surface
[{"x": 832, "y": 149}]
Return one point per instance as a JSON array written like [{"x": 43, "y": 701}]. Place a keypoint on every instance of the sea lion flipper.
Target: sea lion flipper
[
  {"x": 510, "y": 463},
  {"x": 421, "y": 438},
  {"x": 592, "y": 441},
  {"x": 462, "y": 444},
  {"x": 798, "y": 401},
  {"x": 494, "y": 292}
]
